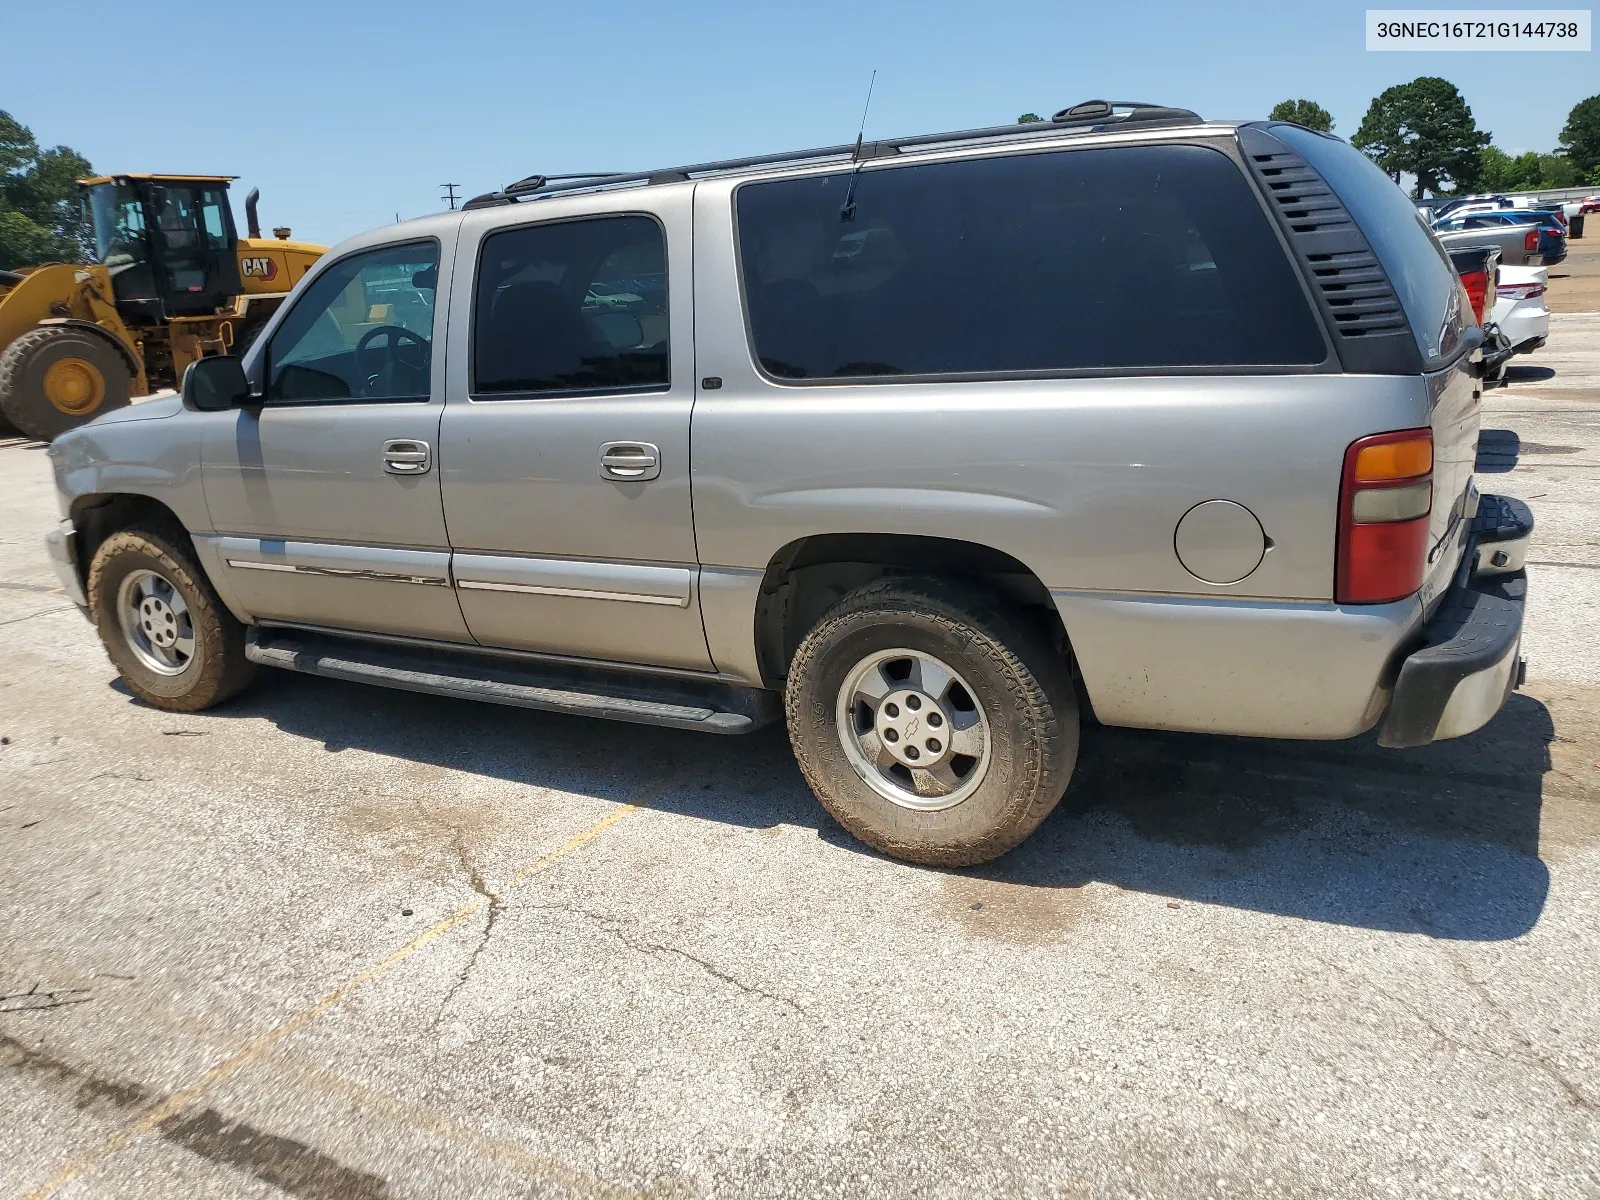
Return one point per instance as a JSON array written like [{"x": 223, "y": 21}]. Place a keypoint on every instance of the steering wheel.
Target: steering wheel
[{"x": 406, "y": 350}]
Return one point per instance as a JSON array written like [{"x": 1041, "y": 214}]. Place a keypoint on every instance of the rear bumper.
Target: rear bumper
[
  {"x": 1469, "y": 660},
  {"x": 1525, "y": 323}
]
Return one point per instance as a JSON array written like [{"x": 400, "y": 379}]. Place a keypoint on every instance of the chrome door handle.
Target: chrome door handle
[
  {"x": 630, "y": 461},
  {"x": 406, "y": 456}
]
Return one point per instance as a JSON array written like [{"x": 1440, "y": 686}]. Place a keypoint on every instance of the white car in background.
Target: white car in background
[{"x": 1519, "y": 307}]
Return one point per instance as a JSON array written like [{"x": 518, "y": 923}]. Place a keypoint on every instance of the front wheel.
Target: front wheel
[
  {"x": 162, "y": 625},
  {"x": 932, "y": 723}
]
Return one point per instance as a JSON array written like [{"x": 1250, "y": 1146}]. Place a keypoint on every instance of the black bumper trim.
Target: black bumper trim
[{"x": 1474, "y": 629}]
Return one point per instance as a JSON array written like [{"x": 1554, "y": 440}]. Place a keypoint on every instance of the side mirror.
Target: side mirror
[{"x": 215, "y": 384}]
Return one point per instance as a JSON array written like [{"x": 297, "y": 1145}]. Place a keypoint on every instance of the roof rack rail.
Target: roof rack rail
[
  {"x": 534, "y": 183},
  {"x": 1093, "y": 114},
  {"x": 1137, "y": 110}
]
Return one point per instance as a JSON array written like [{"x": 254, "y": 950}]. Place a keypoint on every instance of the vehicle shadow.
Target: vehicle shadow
[
  {"x": 1498, "y": 450},
  {"x": 1442, "y": 840},
  {"x": 1522, "y": 373}
]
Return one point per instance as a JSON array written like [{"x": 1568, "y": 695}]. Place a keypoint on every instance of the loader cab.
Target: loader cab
[{"x": 168, "y": 243}]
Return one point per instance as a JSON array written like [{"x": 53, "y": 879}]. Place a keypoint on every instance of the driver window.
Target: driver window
[{"x": 362, "y": 331}]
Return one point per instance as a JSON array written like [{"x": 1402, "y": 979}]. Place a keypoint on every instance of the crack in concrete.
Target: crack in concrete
[
  {"x": 610, "y": 925},
  {"x": 496, "y": 905},
  {"x": 44, "y": 612},
  {"x": 33, "y": 1000},
  {"x": 476, "y": 882},
  {"x": 1530, "y": 1052}
]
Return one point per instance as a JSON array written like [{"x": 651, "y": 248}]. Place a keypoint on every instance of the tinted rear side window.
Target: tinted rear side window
[
  {"x": 1132, "y": 257},
  {"x": 1418, "y": 267},
  {"x": 572, "y": 306}
]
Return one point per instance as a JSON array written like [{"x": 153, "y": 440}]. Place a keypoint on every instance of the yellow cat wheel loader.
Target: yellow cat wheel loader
[{"x": 171, "y": 282}]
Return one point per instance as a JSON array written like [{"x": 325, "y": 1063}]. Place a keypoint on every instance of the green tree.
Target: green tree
[
  {"x": 1580, "y": 136},
  {"x": 1494, "y": 169},
  {"x": 1424, "y": 128},
  {"x": 1499, "y": 172},
  {"x": 1303, "y": 112},
  {"x": 40, "y": 217},
  {"x": 1029, "y": 118},
  {"x": 1558, "y": 171}
]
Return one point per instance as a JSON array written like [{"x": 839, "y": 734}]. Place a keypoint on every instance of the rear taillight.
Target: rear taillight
[
  {"x": 1531, "y": 240},
  {"x": 1477, "y": 285},
  {"x": 1521, "y": 291},
  {"x": 1385, "y": 497}
]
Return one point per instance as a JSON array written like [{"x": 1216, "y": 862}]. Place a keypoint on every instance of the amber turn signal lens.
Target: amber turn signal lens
[{"x": 1394, "y": 460}]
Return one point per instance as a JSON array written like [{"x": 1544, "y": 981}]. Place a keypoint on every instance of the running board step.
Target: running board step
[{"x": 710, "y": 707}]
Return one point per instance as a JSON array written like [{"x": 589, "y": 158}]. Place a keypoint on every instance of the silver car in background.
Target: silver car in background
[{"x": 1523, "y": 236}]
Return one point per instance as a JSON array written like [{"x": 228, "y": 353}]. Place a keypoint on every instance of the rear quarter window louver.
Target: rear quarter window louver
[{"x": 1351, "y": 287}]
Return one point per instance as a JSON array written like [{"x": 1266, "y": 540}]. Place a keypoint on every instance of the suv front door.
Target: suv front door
[
  {"x": 325, "y": 496},
  {"x": 566, "y": 432}
]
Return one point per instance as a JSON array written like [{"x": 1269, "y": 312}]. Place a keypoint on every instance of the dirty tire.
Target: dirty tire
[
  {"x": 217, "y": 669},
  {"x": 1022, "y": 684},
  {"x": 25, "y": 363}
]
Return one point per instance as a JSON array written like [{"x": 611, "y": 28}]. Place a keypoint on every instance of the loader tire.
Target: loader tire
[{"x": 57, "y": 377}]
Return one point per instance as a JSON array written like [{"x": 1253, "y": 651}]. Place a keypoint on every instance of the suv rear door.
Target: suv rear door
[{"x": 566, "y": 432}]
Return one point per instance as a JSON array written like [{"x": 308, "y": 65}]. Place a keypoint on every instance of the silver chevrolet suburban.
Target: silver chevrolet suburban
[{"x": 927, "y": 445}]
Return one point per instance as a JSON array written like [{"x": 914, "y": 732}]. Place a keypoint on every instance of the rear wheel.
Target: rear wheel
[
  {"x": 57, "y": 377},
  {"x": 935, "y": 725},
  {"x": 161, "y": 623}
]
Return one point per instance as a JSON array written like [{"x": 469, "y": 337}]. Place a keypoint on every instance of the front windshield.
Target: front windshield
[{"x": 119, "y": 230}]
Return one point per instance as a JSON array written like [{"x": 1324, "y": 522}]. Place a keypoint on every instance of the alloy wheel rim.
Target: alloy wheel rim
[
  {"x": 156, "y": 622},
  {"x": 913, "y": 729}
]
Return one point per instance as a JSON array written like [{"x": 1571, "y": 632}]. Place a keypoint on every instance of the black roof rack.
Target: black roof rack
[{"x": 1091, "y": 115}]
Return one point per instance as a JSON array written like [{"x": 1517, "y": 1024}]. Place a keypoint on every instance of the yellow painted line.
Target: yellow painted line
[{"x": 292, "y": 1024}]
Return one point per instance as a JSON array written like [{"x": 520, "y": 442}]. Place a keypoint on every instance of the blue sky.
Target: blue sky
[{"x": 345, "y": 114}]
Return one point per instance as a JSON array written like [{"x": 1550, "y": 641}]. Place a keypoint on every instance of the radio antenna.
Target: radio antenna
[{"x": 847, "y": 211}]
